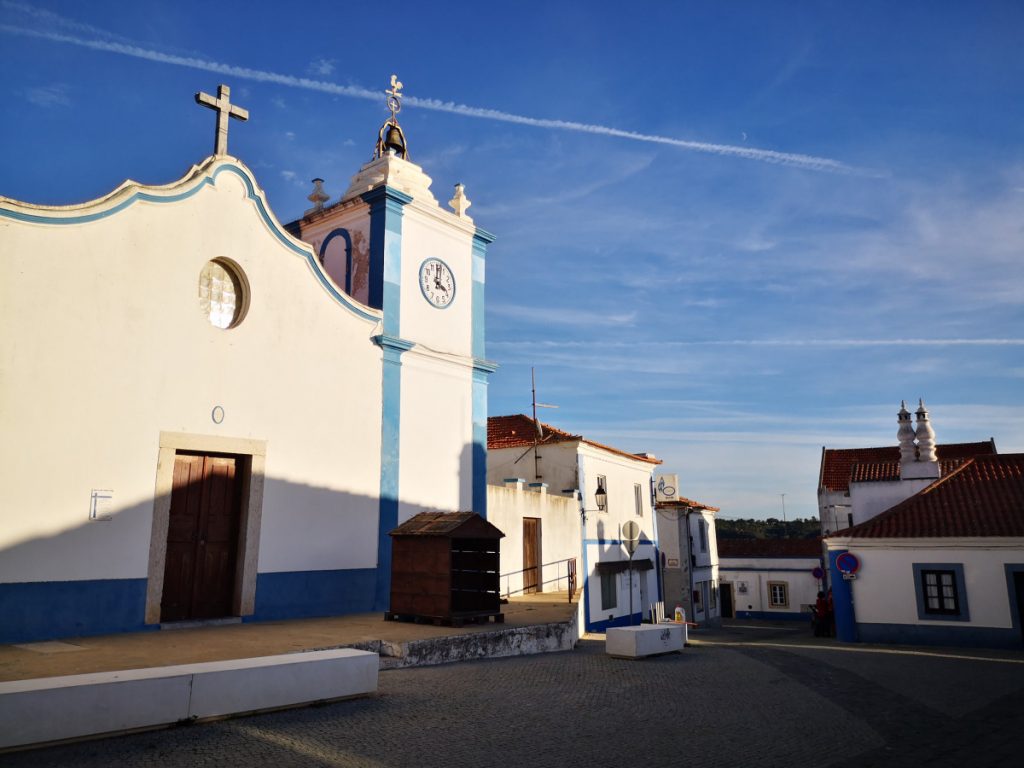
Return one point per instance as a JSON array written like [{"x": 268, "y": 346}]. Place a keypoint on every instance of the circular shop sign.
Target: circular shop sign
[{"x": 848, "y": 563}]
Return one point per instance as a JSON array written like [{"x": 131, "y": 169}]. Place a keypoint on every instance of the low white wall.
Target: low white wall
[{"x": 560, "y": 534}]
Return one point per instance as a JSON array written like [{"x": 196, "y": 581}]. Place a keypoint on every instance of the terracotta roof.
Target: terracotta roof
[
  {"x": 866, "y": 472},
  {"x": 984, "y": 496},
  {"x": 837, "y": 463},
  {"x": 682, "y": 501},
  {"x": 520, "y": 431},
  {"x": 450, "y": 524},
  {"x": 769, "y": 548}
]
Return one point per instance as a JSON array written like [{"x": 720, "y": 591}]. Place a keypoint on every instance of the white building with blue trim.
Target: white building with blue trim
[
  {"x": 616, "y": 592},
  {"x": 208, "y": 415},
  {"x": 935, "y": 555}
]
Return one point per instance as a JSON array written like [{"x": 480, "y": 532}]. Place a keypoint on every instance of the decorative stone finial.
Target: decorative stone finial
[
  {"x": 905, "y": 435},
  {"x": 459, "y": 203},
  {"x": 317, "y": 197},
  {"x": 391, "y": 137},
  {"x": 225, "y": 109},
  {"x": 925, "y": 435}
]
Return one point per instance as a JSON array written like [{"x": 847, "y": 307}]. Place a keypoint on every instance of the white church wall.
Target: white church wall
[
  {"x": 436, "y": 437},
  {"x": 448, "y": 329},
  {"x": 111, "y": 350}
]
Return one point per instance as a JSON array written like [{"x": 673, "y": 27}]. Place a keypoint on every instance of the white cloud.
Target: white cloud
[
  {"x": 561, "y": 316},
  {"x": 49, "y": 96},
  {"x": 797, "y": 160},
  {"x": 322, "y": 66}
]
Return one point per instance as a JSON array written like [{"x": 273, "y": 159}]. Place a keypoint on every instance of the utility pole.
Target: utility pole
[{"x": 785, "y": 525}]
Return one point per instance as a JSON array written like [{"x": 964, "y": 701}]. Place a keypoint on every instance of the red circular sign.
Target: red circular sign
[{"x": 847, "y": 562}]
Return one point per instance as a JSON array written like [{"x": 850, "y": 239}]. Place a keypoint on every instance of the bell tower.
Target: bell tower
[{"x": 393, "y": 247}]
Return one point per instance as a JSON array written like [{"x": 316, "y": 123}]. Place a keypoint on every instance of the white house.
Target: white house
[
  {"x": 945, "y": 566},
  {"x": 769, "y": 578},
  {"x": 541, "y": 549},
  {"x": 559, "y": 463},
  {"x": 856, "y": 483},
  {"x": 689, "y": 553},
  {"x": 204, "y": 416}
]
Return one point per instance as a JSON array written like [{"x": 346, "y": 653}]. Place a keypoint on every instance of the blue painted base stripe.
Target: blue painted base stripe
[
  {"x": 305, "y": 594},
  {"x": 44, "y": 610},
  {"x": 957, "y": 636},
  {"x": 618, "y": 621}
]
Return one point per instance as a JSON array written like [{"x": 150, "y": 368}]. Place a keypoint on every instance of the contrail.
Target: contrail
[
  {"x": 806, "y": 162},
  {"x": 1005, "y": 342}
]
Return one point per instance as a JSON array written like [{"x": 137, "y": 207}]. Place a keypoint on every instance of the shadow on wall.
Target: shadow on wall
[{"x": 221, "y": 544}]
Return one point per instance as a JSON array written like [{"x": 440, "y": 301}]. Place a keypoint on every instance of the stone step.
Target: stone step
[{"x": 53, "y": 709}]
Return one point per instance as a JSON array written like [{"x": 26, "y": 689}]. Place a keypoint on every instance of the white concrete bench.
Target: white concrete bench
[
  {"x": 58, "y": 708},
  {"x": 645, "y": 640}
]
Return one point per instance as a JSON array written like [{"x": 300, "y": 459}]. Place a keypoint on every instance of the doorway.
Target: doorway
[
  {"x": 1018, "y": 588},
  {"x": 532, "y": 581},
  {"x": 725, "y": 593},
  {"x": 202, "y": 537}
]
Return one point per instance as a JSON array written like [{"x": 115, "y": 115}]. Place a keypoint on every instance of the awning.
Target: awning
[{"x": 620, "y": 566}]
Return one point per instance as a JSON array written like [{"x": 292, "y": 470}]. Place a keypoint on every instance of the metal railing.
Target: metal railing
[{"x": 533, "y": 578}]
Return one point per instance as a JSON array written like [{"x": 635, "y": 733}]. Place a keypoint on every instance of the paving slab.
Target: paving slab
[{"x": 367, "y": 631}]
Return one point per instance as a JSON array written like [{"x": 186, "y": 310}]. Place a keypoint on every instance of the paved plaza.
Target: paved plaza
[{"x": 739, "y": 696}]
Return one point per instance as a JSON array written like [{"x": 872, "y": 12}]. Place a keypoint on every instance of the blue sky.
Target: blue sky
[{"x": 728, "y": 234}]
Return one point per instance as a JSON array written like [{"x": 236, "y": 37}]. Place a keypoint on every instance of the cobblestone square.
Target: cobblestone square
[{"x": 739, "y": 696}]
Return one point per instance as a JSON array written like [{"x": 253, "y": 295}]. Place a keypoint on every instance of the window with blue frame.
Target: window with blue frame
[{"x": 941, "y": 591}]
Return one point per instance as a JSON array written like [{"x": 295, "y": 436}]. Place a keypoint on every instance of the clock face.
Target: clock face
[{"x": 437, "y": 283}]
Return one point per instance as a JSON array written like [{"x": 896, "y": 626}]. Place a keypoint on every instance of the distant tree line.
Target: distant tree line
[{"x": 771, "y": 528}]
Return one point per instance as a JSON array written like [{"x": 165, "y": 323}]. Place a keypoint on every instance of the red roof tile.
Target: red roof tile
[
  {"x": 866, "y": 472},
  {"x": 520, "y": 431},
  {"x": 769, "y": 548},
  {"x": 682, "y": 501},
  {"x": 837, "y": 463},
  {"x": 982, "y": 497}
]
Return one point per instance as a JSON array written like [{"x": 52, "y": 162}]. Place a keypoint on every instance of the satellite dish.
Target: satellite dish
[{"x": 631, "y": 536}]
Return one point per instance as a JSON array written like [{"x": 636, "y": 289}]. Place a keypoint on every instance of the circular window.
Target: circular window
[{"x": 223, "y": 293}]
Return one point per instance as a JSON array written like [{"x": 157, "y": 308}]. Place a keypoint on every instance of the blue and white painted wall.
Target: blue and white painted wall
[
  {"x": 349, "y": 411},
  {"x": 774, "y": 588},
  {"x": 982, "y": 602}
]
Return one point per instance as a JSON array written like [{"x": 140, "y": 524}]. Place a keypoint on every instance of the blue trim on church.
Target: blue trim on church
[
  {"x": 43, "y": 610},
  {"x": 481, "y": 370},
  {"x": 211, "y": 179},
  {"x": 304, "y": 594},
  {"x": 386, "y": 209},
  {"x": 390, "y": 435},
  {"x": 386, "y": 206},
  {"x": 344, "y": 235}
]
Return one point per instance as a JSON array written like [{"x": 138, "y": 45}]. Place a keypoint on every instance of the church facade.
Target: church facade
[{"x": 206, "y": 414}]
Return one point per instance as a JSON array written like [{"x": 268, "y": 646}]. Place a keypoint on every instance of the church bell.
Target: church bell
[{"x": 394, "y": 140}]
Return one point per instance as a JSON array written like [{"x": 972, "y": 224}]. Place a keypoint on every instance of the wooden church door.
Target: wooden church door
[{"x": 202, "y": 538}]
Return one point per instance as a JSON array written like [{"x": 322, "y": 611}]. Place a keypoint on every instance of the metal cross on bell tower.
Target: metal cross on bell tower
[
  {"x": 225, "y": 109},
  {"x": 391, "y": 137}
]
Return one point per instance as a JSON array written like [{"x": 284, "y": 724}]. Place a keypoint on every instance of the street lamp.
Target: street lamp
[{"x": 601, "y": 497}]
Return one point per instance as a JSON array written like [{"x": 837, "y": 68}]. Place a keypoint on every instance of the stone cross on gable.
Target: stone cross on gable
[{"x": 225, "y": 109}]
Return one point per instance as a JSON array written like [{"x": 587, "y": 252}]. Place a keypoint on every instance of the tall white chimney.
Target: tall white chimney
[{"x": 927, "y": 464}]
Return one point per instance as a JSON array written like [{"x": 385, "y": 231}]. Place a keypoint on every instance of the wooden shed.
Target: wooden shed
[{"x": 445, "y": 567}]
